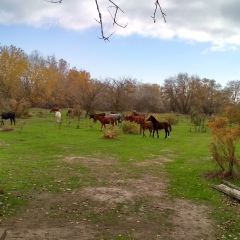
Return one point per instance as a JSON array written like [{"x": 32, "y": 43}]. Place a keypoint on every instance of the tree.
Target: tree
[
  {"x": 148, "y": 98},
  {"x": 233, "y": 89},
  {"x": 91, "y": 90},
  {"x": 180, "y": 92},
  {"x": 118, "y": 93},
  {"x": 13, "y": 64},
  {"x": 210, "y": 95},
  {"x": 114, "y": 15}
]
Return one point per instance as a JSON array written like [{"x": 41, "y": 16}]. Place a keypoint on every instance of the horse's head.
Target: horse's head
[{"x": 151, "y": 118}]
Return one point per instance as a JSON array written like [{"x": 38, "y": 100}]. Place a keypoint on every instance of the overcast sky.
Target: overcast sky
[{"x": 200, "y": 37}]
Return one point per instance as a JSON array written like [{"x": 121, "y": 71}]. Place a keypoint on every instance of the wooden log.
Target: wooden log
[
  {"x": 231, "y": 185},
  {"x": 227, "y": 190},
  {"x": 3, "y": 234}
]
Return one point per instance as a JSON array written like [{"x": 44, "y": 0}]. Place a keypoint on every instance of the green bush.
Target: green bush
[
  {"x": 172, "y": 118},
  {"x": 130, "y": 127}
]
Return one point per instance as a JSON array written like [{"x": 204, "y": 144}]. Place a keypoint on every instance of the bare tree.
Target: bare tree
[{"x": 114, "y": 16}]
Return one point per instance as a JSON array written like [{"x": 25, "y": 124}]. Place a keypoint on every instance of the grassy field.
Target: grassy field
[{"x": 31, "y": 162}]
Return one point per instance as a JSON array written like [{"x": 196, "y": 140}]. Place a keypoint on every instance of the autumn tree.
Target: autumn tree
[
  {"x": 210, "y": 96},
  {"x": 223, "y": 146},
  {"x": 13, "y": 64}
]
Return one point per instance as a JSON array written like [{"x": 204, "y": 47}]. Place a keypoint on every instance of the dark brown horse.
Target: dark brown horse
[
  {"x": 146, "y": 125},
  {"x": 160, "y": 125},
  {"x": 8, "y": 115},
  {"x": 104, "y": 120}
]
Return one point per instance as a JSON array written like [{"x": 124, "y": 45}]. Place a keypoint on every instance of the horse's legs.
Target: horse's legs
[
  {"x": 153, "y": 132},
  {"x": 157, "y": 133},
  {"x": 150, "y": 131},
  {"x": 143, "y": 132}
]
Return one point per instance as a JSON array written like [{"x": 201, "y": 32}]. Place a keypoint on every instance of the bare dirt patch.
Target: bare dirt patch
[{"x": 128, "y": 202}]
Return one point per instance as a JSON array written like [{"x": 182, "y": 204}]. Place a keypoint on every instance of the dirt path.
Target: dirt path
[{"x": 127, "y": 203}]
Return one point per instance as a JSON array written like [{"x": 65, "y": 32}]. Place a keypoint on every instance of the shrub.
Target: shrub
[
  {"x": 112, "y": 132},
  {"x": 130, "y": 127},
  {"x": 172, "y": 118},
  {"x": 223, "y": 147}
]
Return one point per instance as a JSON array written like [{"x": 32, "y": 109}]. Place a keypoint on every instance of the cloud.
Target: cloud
[{"x": 212, "y": 21}]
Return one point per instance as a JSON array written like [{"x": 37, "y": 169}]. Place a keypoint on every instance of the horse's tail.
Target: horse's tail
[{"x": 170, "y": 127}]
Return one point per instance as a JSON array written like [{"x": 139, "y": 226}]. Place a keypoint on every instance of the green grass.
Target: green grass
[{"x": 30, "y": 161}]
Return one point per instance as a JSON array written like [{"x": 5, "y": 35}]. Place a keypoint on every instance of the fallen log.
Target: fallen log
[
  {"x": 231, "y": 185},
  {"x": 3, "y": 234},
  {"x": 229, "y": 190}
]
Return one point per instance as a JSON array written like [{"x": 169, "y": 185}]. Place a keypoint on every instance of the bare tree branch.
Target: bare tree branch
[
  {"x": 115, "y": 15},
  {"x": 114, "y": 18},
  {"x": 51, "y": 1},
  {"x": 101, "y": 23},
  {"x": 157, "y": 4}
]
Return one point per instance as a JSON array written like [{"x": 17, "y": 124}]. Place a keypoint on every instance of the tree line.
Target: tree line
[{"x": 34, "y": 80}]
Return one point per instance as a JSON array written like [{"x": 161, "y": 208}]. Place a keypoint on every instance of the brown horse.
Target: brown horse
[
  {"x": 139, "y": 114},
  {"x": 146, "y": 125},
  {"x": 97, "y": 114},
  {"x": 55, "y": 109},
  {"x": 134, "y": 118},
  {"x": 160, "y": 125},
  {"x": 104, "y": 120}
]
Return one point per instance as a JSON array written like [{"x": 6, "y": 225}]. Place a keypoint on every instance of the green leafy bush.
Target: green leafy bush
[{"x": 130, "y": 127}]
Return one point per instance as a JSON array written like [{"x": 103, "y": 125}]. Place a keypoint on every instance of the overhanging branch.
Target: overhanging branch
[{"x": 114, "y": 16}]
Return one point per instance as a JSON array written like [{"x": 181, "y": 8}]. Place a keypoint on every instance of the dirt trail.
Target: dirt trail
[{"x": 131, "y": 203}]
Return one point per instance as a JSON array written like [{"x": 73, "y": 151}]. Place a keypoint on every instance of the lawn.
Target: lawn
[{"x": 39, "y": 156}]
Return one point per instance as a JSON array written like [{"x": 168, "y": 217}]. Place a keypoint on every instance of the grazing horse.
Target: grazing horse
[
  {"x": 97, "y": 114},
  {"x": 73, "y": 113},
  {"x": 146, "y": 125},
  {"x": 55, "y": 109},
  {"x": 58, "y": 116},
  {"x": 160, "y": 125},
  {"x": 8, "y": 115},
  {"x": 104, "y": 120},
  {"x": 117, "y": 117}
]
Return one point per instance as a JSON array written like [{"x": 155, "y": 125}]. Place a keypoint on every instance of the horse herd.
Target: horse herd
[{"x": 151, "y": 123}]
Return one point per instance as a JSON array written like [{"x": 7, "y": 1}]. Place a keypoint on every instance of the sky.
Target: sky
[{"x": 199, "y": 37}]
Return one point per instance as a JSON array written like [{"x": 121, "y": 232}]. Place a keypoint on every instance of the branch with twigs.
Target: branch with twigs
[
  {"x": 51, "y": 1},
  {"x": 157, "y": 4},
  {"x": 114, "y": 17}
]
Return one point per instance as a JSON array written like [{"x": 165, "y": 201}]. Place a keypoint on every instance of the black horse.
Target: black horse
[
  {"x": 8, "y": 115},
  {"x": 160, "y": 125}
]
